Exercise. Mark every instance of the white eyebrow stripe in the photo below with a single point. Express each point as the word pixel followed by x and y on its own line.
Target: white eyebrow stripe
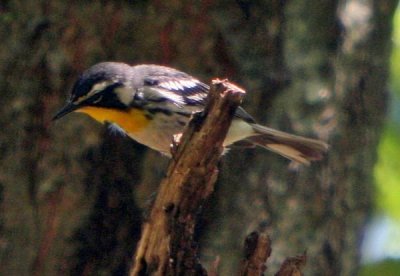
pixel 98 87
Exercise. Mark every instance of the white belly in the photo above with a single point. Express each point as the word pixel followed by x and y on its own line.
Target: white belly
pixel 159 137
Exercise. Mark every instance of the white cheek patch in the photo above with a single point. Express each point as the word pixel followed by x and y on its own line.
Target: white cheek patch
pixel 124 94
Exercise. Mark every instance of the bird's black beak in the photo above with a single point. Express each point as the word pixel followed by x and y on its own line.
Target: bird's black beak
pixel 68 108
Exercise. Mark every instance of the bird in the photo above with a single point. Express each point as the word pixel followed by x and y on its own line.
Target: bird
pixel 151 103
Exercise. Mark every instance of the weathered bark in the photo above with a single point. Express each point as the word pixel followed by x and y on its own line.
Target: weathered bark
pixel 313 67
pixel 257 249
pixel 292 266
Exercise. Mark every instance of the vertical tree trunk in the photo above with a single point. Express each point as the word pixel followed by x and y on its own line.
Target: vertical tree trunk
pixel 336 56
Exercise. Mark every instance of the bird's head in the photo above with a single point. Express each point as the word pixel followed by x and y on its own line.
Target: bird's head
pixel 103 86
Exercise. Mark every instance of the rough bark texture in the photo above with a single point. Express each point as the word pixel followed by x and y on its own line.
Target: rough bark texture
pixel 167 245
pixel 69 192
pixel 257 249
pixel 292 266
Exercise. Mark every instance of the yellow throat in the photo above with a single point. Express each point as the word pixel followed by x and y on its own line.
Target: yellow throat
pixel 132 120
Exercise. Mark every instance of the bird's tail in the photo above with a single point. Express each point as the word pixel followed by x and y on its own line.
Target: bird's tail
pixel 296 148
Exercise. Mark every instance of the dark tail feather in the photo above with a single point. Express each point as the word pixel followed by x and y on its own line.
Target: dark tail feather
pixel 296 148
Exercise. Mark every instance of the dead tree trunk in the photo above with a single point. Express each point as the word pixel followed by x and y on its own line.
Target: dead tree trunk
pixel 167 246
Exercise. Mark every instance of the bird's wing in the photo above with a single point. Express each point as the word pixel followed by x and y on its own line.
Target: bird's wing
pixel 182 89
pixel 177 90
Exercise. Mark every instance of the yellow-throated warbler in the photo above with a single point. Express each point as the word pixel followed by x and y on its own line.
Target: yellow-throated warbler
pixel 151 103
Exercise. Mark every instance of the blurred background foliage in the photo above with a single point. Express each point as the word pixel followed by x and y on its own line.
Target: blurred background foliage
pixel 387 170
pixel 382 243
